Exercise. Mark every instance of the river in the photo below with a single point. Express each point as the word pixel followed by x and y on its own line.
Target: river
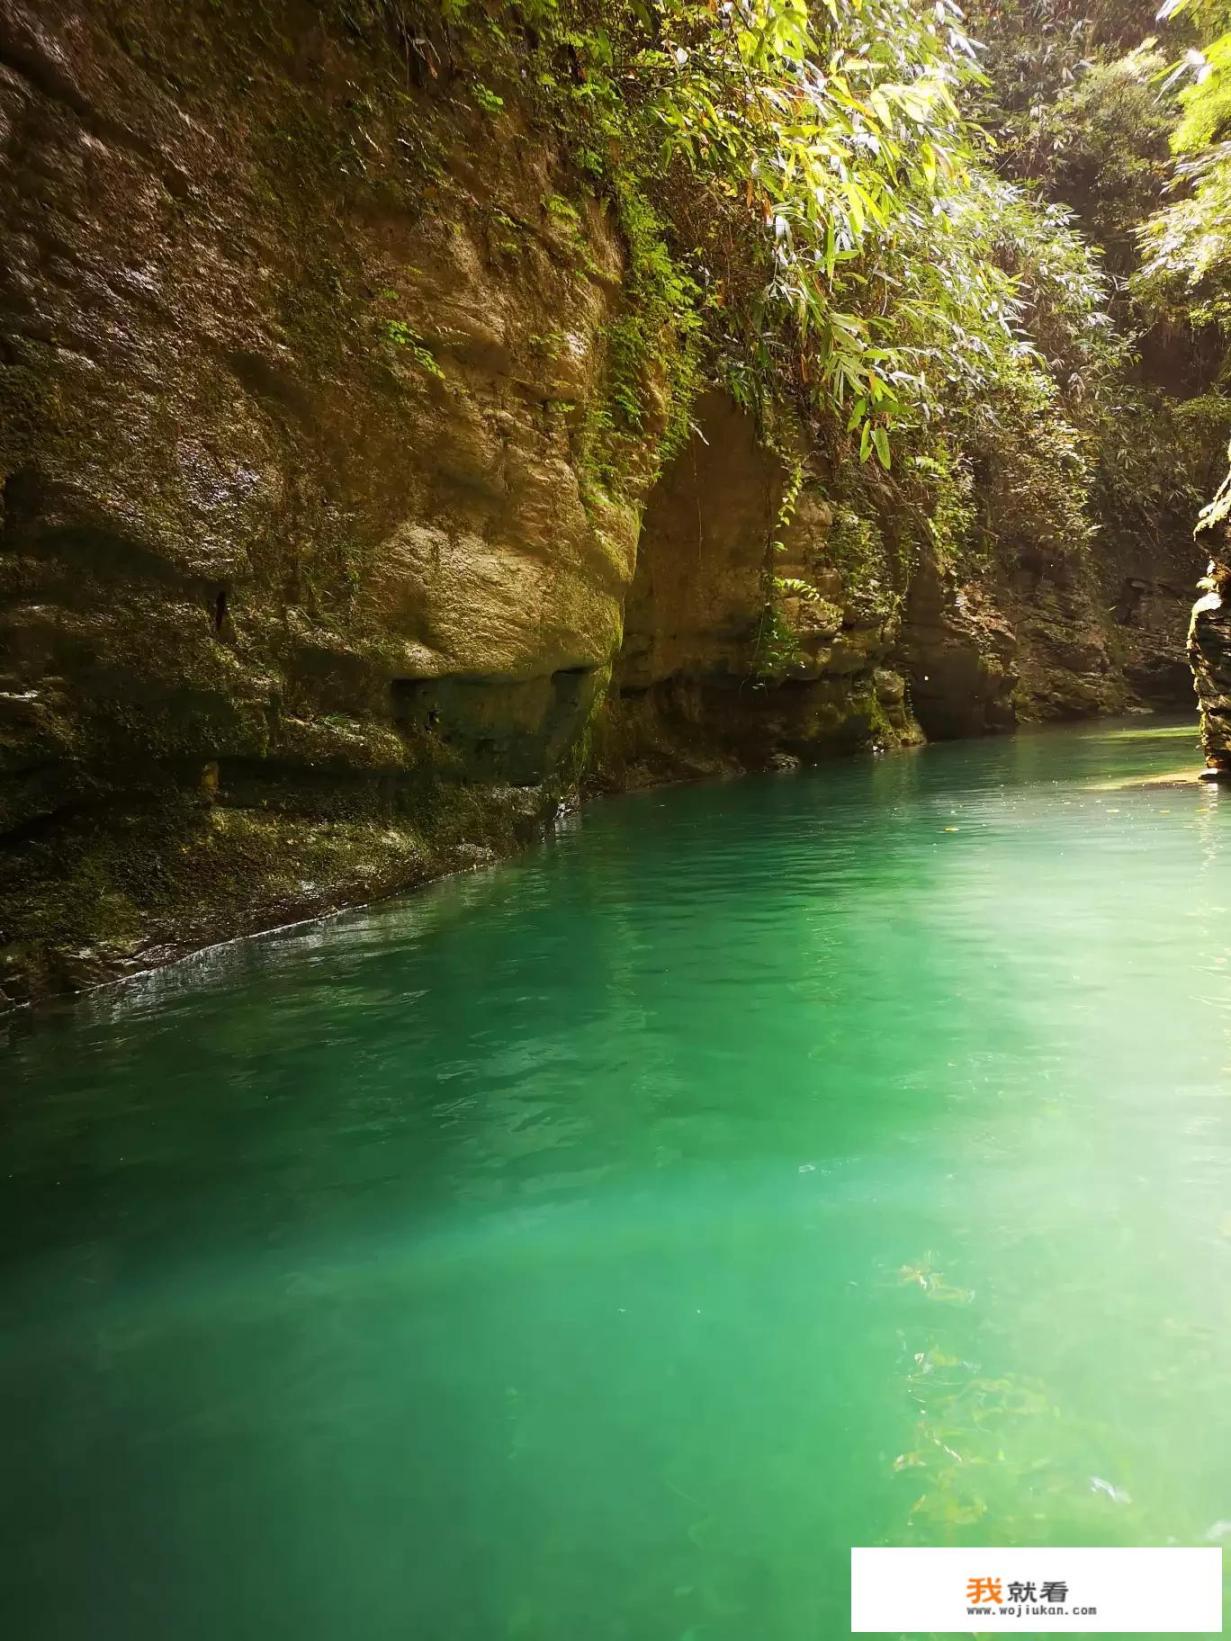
pixel 599 1246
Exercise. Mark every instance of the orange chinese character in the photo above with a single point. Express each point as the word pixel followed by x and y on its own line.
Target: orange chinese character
pixel 981 1590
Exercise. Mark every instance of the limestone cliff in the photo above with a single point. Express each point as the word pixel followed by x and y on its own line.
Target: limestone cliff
pixel 301 597
pixel 734 654
pixel 313 578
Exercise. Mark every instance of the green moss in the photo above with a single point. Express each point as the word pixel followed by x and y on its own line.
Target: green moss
pixel 82 903
pixel 856 546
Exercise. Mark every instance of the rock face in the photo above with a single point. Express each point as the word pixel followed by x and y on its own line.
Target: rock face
pixel 737 655
pixel 961 655
pixel 1209 654
pixel 299 593
pixel 311 585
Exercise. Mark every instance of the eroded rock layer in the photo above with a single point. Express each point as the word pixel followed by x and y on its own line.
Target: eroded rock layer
pixel 310 584
pixel 300 596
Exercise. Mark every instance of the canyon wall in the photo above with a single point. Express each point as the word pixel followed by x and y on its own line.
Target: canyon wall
pixel 1209 654
pixel 314 579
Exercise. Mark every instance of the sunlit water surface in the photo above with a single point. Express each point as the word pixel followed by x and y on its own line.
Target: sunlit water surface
pixel 599 1246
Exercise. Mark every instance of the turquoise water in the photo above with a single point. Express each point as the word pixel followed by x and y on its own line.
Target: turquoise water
pixel 598 1247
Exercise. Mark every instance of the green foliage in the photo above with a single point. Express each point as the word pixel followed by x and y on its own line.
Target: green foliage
pixel 856 546
pixel 790 500
pixel 1025 295
pixel 488 100
pixel 812 215
pixel 789 586
pixel 1016 383
pixel 652 351
pixel 1086 109
pixel 1159 460
pixel 774 149
pixel 1205 103
pixel 776 648
pixel 1187 244
pixel 563 212
pixel 401 335
pixel 1034 476
pixel 817 137
pixel 1076 114
pixel 950 517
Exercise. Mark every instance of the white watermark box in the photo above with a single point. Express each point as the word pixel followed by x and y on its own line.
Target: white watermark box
pixel 953 1591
